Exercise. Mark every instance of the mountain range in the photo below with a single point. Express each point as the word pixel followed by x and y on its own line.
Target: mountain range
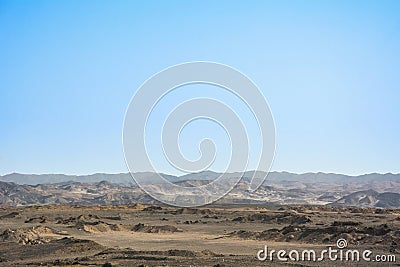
pixel 126 178
pixel 280 188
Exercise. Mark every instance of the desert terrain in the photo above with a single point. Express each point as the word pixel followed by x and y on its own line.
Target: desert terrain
pixel 216 235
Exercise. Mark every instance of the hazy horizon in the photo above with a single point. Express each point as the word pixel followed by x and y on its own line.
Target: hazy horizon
pixel 127 172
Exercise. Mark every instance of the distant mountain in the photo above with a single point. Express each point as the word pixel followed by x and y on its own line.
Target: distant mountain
pixel 73 193
pixel 32 179
pixel 125 178
pixel 370 198
pixel 119 178
pixel 332 177
pixel 280 188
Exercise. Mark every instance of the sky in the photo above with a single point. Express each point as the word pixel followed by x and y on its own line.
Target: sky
pixel 328 69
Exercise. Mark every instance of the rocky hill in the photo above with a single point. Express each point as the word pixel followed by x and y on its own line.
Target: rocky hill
pixel 370 198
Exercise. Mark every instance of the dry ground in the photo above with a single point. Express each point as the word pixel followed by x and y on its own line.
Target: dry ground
pixel 141 235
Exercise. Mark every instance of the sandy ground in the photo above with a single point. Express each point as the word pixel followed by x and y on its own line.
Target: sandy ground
pixel 140 235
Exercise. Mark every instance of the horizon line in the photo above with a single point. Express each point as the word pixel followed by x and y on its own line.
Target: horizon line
pixel 268 172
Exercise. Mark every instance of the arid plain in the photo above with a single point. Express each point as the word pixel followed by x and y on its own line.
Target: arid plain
pixel 219 235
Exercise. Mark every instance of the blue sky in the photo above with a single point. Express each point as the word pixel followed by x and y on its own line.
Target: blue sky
pixel 329 70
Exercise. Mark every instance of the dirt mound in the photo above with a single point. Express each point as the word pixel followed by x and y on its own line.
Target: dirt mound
pixel 279 218
pixel 192 211
pixel 92 224
pixel 114 218
pixel 9 215
pixel 345 223
pixel 180 253
pixel 136 206
pixel 28 236
pixel 57 252
pixel 89 218
pixel 77 245
pixel 152 208
pixel 99 227
pixel 143 228
pixel 41 219
pixel 353 234
pixel 58 248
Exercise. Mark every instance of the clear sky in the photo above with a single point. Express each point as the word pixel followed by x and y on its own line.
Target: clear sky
pixel 330 71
